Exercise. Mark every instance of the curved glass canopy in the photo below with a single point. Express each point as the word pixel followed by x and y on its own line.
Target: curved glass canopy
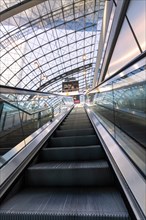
pixel 48 42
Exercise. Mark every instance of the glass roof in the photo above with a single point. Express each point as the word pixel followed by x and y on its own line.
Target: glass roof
pixel 48 42
pixel 5 4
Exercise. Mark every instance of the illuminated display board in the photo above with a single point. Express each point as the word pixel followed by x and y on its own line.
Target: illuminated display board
pixel 70 86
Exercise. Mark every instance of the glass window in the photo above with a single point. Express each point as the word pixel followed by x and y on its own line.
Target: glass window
pixel 137 16
pixel 125 50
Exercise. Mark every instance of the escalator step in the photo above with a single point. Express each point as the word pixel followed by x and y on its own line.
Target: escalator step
pixel 61 133
pixel 76 123
pixel 72 153
pixel 72 173
pixel 78 113
pixel 78 119
pixel 79 126
pixel 73 141
pixel 65 204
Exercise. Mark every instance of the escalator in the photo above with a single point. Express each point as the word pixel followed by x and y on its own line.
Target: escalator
pixel 70 179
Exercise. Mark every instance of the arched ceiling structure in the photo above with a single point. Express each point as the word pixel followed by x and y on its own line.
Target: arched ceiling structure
pixel 44 43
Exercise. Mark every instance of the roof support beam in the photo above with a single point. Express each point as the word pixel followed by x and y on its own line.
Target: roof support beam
pixel 20 91
pixel 114 33
pixel 62 76
pixel 16 9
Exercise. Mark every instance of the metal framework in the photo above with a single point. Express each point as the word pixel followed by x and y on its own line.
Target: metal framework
pixel 56 34
pixel 16 7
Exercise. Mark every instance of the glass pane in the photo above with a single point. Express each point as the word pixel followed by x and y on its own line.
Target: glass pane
pixel 22 115
pixel 125 50
pixel 4 4
pixel 121 106
pixel 138 22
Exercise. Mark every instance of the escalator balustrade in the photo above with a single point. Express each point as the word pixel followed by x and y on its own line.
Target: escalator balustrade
pixel 18 134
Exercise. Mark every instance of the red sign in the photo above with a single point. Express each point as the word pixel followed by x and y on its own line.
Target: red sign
pixel 76 99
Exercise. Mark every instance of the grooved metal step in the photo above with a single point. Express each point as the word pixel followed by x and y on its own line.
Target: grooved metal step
pixel 68 203
pixel 73 141
pixel 75 113
pixel 76 123
pixel 79 126
pixel 69 180
pixel 72 153
pixel 61 133
pixel 81 115
pixel 79 119
pixel 82 173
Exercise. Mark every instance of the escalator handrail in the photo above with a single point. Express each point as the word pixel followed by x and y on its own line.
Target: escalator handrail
pixel 21 109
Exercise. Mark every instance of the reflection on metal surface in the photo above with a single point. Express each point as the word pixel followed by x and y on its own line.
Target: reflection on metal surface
pixel 121 101
pixel 133 150
pixel 125 107
pixel 134 180
pixel 126 110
